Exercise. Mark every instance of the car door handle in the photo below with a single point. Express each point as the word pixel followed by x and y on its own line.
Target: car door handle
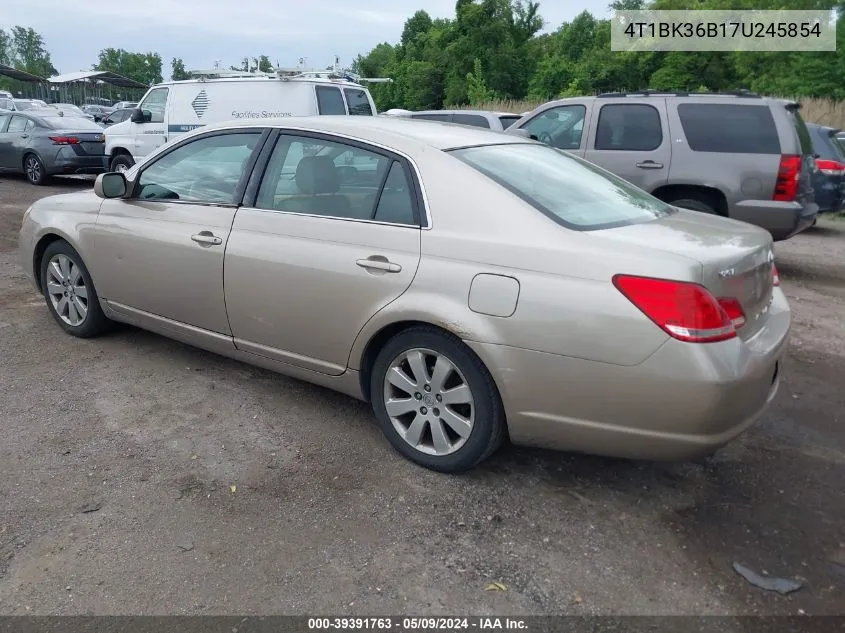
pixel 376 262
pixel 650 164
pixel 207 237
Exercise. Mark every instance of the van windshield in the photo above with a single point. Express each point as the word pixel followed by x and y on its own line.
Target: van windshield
pixel 571 191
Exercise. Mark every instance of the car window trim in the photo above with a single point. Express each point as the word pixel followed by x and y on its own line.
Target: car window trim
pixel 647 105
pixel 242 183
pixel 381 184
pixel 419 199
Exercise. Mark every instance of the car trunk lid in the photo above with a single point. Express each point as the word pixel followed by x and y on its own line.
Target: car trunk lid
pixel 736 259
pixel 82 143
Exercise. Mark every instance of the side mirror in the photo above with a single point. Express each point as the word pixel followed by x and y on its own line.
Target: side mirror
pixel 110 185
pixel 140 116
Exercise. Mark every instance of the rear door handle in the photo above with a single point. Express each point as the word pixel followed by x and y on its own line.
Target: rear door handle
pixel 207 237
pixel 650 164
pixel 377 262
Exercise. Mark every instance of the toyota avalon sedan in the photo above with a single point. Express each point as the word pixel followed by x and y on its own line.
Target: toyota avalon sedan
pixel 473 287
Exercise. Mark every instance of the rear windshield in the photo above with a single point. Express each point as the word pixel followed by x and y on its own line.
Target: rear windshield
pixel 509 120
pixel 571 191
pixel 74 123
pixel 825 144
pixel 729 128
pixel 800 129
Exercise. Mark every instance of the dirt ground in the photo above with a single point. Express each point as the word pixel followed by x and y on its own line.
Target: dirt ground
pixel 141 476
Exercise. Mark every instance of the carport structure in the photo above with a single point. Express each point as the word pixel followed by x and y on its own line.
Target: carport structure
pixel 26 84
pixel 94 86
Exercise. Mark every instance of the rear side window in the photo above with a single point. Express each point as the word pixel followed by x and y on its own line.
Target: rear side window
pixel 18 124
pixel 358 102
pixel 329 100
pixel 475 120
pixel 629 127
pixel 729 128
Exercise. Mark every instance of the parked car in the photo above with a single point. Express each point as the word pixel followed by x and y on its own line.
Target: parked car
pixel 97 111
pixel 544 300
pixel 70 110
pixel 117 116
pixel 736 155
pixel 497 121
pixel 28 104
pixel 120 105
pixel 829 178
pixel 39 143
pixel 5 94
pixel 7 104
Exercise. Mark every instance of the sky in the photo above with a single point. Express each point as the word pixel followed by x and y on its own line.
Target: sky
pixel 203 32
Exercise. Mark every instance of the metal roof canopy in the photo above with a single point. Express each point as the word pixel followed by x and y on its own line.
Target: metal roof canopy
pixel 97 75
pixel 20 75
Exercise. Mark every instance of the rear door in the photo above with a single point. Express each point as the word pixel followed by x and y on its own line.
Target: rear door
pixel 631 140
pixel 6 152
pixel 326 243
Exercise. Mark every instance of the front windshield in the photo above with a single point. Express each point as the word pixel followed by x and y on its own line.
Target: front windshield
pixel 573 192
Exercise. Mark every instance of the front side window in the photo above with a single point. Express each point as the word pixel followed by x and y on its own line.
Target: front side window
pixel 729 128
pixel 155 103
pixel 18 124
pixel 573 192
pixel 205 170
pixel 629 127
pixel 328 178
pixel 329 100
pixel 358 102
pixel 560 127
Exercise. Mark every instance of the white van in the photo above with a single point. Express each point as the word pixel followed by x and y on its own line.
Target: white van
pixel 173 108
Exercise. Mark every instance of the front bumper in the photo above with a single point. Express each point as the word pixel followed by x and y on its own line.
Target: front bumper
pixel 781 219
pixel 685 401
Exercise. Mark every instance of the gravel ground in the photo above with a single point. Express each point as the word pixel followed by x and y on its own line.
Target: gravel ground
pixel 141 476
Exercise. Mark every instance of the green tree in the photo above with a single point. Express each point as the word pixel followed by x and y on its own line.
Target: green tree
pixel 142 67
pixel 178 72
pixel 29 52
pixel 477 90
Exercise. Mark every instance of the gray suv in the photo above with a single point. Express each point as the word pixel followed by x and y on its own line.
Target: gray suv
pixel 734 154
pixel 498 121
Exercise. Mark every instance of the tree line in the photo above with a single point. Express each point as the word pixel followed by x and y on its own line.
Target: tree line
pixel 494 50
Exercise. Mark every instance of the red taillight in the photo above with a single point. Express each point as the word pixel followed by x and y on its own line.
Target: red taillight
pixel 830 167
pixel 734 311
pixel 775 275
pixel 64 140
pixel 684 310
pixel 786 186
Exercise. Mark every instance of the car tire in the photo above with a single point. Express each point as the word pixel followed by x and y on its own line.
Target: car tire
pixel 121 162
pixel 694 204
pixel 68 288
pixel 414 421
pixel 34 170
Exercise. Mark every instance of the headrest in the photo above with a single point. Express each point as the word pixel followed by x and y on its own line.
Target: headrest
pixel 317 174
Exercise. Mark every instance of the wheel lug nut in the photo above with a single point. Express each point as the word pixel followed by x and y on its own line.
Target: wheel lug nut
pixel 423 410
pixel 418 396
pixel 439 398
pixel 436 411
pixel 427 387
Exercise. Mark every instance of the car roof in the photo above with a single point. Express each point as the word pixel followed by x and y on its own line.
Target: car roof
pixel 492 113
pixel 391 131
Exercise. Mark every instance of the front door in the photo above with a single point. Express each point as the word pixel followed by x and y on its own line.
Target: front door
pixel 331 238
pixel 160 251
pixel 152 133
pixel 631 140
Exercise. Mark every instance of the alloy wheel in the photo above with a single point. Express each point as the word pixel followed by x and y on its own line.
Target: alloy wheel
pixel 67 290
pixel 429 401
pixel 33 169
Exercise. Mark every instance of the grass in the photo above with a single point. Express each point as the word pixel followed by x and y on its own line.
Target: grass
pixel 822 111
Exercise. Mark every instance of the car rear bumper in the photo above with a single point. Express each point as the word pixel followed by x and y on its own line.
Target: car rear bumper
pixel 781 219
pixel 70 163
pixel 685 401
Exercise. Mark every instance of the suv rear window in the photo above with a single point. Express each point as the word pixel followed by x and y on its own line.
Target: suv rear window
pixel 729 128
pixel 571 191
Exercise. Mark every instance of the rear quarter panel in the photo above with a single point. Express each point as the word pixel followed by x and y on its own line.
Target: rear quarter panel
pixel 567 304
